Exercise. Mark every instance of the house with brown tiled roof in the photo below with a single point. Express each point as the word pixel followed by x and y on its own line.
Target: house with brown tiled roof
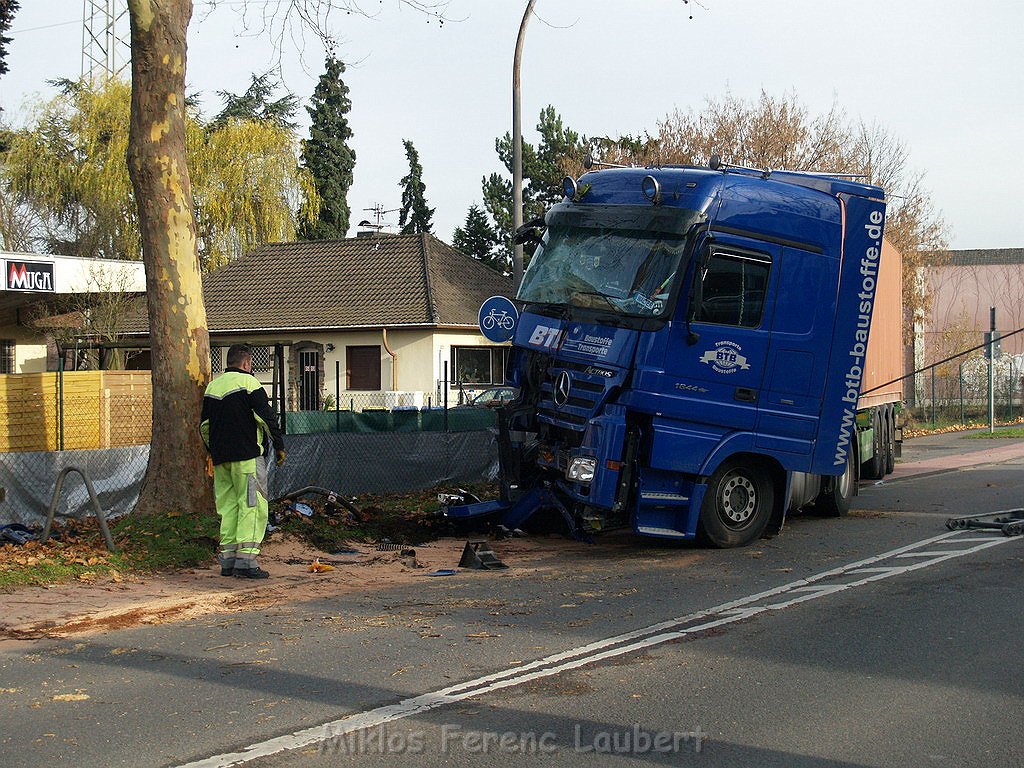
pixel 374 321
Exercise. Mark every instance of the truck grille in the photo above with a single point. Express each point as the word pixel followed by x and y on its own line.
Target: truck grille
pixel 587 392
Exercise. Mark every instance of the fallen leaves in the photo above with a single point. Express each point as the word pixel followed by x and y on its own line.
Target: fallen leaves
pixel 71 697
pixel 71 550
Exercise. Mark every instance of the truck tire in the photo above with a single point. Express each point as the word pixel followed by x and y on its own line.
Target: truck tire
pixel 737 505
pixel 874 467
pixel 890 440
pixel 835 500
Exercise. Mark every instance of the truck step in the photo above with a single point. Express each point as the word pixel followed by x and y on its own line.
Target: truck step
pixel 664 498
pixel 665 533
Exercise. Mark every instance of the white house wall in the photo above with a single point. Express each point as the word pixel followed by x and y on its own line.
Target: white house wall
pixel 29 350
pixel 420 355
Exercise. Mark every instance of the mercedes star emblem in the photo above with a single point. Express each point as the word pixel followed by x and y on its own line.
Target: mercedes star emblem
pixel 562 386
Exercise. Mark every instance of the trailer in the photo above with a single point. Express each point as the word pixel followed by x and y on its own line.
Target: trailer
pixel 697 351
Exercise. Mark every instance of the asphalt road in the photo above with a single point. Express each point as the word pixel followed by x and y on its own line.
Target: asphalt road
pixel 874 640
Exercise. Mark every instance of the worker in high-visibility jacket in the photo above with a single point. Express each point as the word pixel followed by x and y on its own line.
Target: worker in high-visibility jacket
pixel 237 418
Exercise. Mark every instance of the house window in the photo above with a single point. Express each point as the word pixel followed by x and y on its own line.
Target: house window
pixel 479 365
pixel 362 368
pixel 262 359
pixel 6 356
pixel 732 289
pixel 216 360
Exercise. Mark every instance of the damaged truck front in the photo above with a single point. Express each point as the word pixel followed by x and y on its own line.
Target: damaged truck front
pixel 690 353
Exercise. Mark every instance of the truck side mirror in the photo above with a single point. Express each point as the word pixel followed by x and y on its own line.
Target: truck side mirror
pixel 530 232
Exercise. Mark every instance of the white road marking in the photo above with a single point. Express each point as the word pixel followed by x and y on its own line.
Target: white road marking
pixel 976 538
pixel 801 591
pixel 932 554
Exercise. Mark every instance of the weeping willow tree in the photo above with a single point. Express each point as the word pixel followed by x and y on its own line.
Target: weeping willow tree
pixel 247 185
pixel 69 168
pixel 106 172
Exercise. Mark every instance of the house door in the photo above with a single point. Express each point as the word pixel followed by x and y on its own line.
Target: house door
pixel 309 380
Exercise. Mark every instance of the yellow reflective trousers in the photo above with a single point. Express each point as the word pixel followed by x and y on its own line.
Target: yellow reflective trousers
pixel 240 490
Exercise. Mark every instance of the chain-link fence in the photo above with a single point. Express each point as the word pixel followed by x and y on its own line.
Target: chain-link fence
pixel 957 392
pixel 968 388
pixel 77 410
pixel 100 422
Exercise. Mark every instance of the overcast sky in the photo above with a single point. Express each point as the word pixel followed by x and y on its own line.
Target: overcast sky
pixel 947 78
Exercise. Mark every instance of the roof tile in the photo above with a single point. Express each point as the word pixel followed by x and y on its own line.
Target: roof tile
pixel 356 282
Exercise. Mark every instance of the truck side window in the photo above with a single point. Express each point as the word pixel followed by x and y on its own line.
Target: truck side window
pixel 732 289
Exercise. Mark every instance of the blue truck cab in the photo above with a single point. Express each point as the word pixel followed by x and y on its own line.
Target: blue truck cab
pixel 689 352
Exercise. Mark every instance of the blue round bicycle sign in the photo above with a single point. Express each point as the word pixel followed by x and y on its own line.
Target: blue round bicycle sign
pixel 497 319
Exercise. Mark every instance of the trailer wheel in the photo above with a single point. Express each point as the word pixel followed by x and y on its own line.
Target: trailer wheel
pixel 874 467
pixel 737 506
pixel 890 440
pixel 835 500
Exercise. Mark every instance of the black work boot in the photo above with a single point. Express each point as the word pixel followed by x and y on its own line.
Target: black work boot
pixel 250 573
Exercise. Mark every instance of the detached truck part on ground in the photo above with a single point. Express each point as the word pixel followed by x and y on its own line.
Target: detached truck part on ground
pixel 692 350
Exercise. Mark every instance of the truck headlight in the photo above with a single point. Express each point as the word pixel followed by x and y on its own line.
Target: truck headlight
pixel 581 469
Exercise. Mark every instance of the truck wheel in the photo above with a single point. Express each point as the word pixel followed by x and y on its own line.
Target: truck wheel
pixel 873 468
pixel 737 505
pixel 890 440
pixel 835 500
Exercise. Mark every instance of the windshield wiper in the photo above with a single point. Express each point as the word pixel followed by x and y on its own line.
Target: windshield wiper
pixel 559 310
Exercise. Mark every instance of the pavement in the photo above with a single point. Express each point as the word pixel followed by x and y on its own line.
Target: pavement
pixel 71 609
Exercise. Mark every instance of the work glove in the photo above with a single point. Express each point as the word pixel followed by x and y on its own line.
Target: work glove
pixel 280 456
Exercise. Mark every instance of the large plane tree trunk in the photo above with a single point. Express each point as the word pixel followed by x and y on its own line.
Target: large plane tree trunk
pixel 180 343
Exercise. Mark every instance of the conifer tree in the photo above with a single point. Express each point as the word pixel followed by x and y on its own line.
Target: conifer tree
pixel 7 9
pixel 256 104
pixel 478 239
pixel 327 155
pixel 542 177
pixel 415 216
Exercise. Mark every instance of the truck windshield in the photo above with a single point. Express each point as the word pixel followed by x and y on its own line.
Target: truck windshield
pixel 599 262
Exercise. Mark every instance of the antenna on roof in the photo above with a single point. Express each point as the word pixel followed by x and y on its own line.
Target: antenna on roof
pixel 379 212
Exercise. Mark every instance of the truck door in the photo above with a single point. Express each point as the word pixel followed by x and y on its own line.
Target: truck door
pixel 790 402
pixel 730 312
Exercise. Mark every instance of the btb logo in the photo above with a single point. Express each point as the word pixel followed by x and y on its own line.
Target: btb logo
pixel 726 358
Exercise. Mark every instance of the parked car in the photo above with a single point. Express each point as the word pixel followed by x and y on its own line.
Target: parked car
pixel 495 397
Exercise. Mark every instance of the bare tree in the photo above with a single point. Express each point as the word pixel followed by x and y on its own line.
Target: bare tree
pixel 780 133
pixel 94 314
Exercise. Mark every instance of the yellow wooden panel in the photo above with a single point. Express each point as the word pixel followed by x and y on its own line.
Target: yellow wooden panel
pixel 101 409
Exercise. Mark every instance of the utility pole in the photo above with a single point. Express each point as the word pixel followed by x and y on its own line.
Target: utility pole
pixel 992 371
pixel 106 44
pixel 517 150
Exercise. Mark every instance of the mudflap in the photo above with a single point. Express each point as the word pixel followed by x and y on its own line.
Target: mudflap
pixel 778 518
